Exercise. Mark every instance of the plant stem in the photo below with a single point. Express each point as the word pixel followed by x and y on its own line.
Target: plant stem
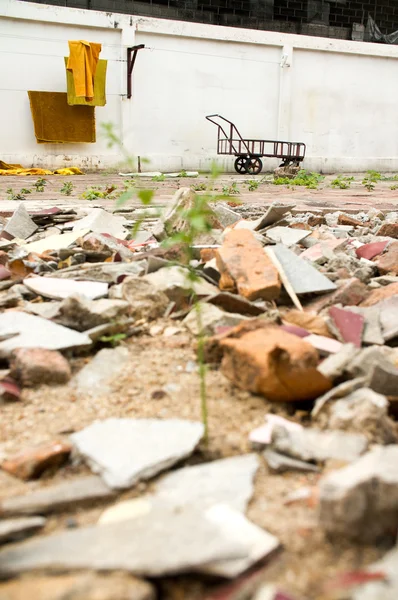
pixel 202 372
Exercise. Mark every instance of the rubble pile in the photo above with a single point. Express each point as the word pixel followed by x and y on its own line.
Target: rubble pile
pixel 299 309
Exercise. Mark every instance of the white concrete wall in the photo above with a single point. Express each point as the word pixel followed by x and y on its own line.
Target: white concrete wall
pixel 338 97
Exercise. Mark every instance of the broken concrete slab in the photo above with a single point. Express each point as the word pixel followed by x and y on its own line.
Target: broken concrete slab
pixel 304 278
pixel 339 391
pixel 124 451
pixel 364 411
pixel 55 242
pixel 58 497
pixel 273 363
pixel 273 214
pixel 287 235
pixel 143 298
pixel 176 283
pixel 21 330
pixel 140 546
pixel 245 267
pixel 280 463
pixel 58 288
pixel 95 379
pixel 225 215
pixel 236 304
pixel 79 586
pixel 99 220
pixel 322 251
pixel 227 481
pixel 32 367
pixel 211 318
pixel 17 529
pixel 348 325
pixel 20 225
pixel 317 445
pixel 80 313
pixel 384 379
pixel 360 501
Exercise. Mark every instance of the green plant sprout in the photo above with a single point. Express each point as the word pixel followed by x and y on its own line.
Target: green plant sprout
pixel 303 178
pixel 342 182
pixel 67 188
pixel 40 184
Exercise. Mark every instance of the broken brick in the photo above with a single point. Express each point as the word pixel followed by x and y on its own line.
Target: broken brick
pixel 350 325
pixel 389 230
pixel 4 273
pixel 381 294
pixel 388 262
pixel 315 220
pixel 31 463
pixel 351 293
pixel 37 366
pixel 273 363
pixel 369 251
pixel 207 254
pixel 307 320
pixel 245 267
pixel 348 220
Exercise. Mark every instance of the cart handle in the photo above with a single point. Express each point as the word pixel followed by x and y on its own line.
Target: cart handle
pixel 232 128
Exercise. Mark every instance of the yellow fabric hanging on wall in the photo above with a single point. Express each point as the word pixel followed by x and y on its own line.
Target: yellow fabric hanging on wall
pixel 99 87
pixel 82 62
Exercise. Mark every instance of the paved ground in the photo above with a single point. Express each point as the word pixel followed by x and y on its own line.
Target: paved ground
pixel 323 199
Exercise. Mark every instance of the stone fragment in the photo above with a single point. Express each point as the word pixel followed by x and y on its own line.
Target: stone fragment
pixel 38 366
pixel 31 463
pixel 335 365
pixel 303 277
pixel 364 411
pixel 103 272
pixel 124 451
pixel 139 546
pixel 308 320
pixel 178 286
pixel 227 481
pixel 360 501
pixel 388 262
pixel 20 225
pixel 17 529
pixel 315 220
pixel 344 219
pixel 236 304
pixel 99 220
pixel 274 214
pixel 381 294
pixel 46 310
pixel 317 445
pixel 96 377
pixel 98 244
pixel 263 435
pixel 363 363
pixel 319 253
pixel 225 215
pixel 211 318
pixel 339 391
pixel 80 313
pixel 372 332
pixel 287 235
pixel 57 289
pixel 384 379
pixel 245 267
pixel 280 463
pixel 348 324
pixel 145 300
pixel 21 330
pixel 389 230
pixel 371 250
pixel 55 242
pixel 350 292
pixel 9 390
pixel 80 586
pixel 59 497
pixel 389 318
pixel 273 363
pixel 4 273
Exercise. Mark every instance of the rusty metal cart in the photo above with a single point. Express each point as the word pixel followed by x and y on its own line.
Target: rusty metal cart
pixel 250 152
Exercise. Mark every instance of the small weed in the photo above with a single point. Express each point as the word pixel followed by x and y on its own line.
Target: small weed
pixel 394 187
pixel 303 178
pixel 198 187
pixel 113 340
pixel 183 174
pixel 12 196
pixel 389 178
pixel 159 177
pixel 25 191
pixel 342 182
pixel 229 190
pixel 40 184
pixel 370 179
pixel 95 192
pixel 129 184
pixel 253 185
pixel 67 188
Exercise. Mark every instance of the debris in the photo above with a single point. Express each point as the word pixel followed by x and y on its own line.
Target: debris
pixel 274 214
pixel 81 314
pixel 57 289
pixel 314 444
pixel 31 463
pixel 59 497
pixel 371 250
pixel 38 366
pixel 321 252
pixel 211 318
pixel 245 267
pixel 389 318
pixel 139 546
pixel 360 500
pixel 95 379
pixel 348 324
pixel 236 304
pixel 372 332
pixel 348 220
pixel 17 529
pixel 389 230
pixel 225 215
pixel 19 226
pixel 381 582
pixel 280 463
pixel 303 277
pixel 307 320
pixel 145 300
pixel 324 345
pixel 287 285
pixel 287 235
pixel 388 262
pixel 176 283
pixel 339 391
pixel 55 242
pixel 273 363
pixel 21 330
pixel 9 390
pixel 100 221
pixel 263 435
pixel 381 294
pixel 108 446
pixel 384 379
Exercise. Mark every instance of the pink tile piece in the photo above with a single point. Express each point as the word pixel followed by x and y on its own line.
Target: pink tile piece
pixel 4 273
pixel 369 251
pixel 317 251
pixel 349 324
pixel 295 330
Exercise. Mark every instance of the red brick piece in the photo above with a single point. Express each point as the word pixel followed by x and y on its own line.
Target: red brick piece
pixel 388 262
pixel 389 230
pixel 36 366
pixel 31 463
pixel 381 294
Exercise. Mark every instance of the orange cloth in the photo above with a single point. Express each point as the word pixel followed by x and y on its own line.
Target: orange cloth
pixel 82 61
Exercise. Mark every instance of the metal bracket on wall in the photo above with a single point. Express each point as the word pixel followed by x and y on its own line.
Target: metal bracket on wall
pixel 131 56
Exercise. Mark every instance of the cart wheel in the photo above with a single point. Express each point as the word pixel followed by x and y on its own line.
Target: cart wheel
pixel 254 166
pixel 240 165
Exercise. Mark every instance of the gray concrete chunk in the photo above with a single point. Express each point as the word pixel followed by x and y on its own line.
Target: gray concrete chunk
pixel 96 377
pixel 304 278
pixel 124 451
pixel 20 225
pixel 16 529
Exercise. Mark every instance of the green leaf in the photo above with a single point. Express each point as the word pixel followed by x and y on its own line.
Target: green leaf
pixel 145 196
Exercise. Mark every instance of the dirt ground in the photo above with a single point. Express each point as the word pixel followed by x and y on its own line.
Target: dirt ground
pixel 309 559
